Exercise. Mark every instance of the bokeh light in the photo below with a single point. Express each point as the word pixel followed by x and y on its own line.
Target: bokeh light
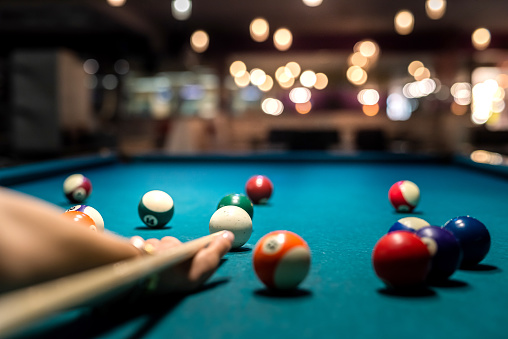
pixel 312 3
pixel 116 3
pixel 481 38
pixel 293 68
pixel 110 81
pixel 422 73
pixel 237 68
pixel 257 76
pixel 367 48
pixel 413 66
pixel 259 29
pixel 356 75
pixel 181 9
pixel 370 110
pixel 357 59
pixel 199 41
pixel 272 106
pixel 267 85
pixel 398 108
pixel 91 66
pixel 122 67
pixel 435 9
pixel 303 108
pixel 308 78
pixel 368 96
pixel 321 81
pixel 282 39
pixel 404 22
pixel 243 80
pixel 461 92
pixel 299 95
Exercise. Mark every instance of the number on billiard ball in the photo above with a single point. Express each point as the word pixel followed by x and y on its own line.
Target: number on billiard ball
pixel 281 260
pixel 259 189
pixel 77 188
pixel 156 208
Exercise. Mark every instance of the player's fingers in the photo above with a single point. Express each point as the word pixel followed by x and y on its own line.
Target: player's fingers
pixel 152 244
pixel 169 242
pixel 207 260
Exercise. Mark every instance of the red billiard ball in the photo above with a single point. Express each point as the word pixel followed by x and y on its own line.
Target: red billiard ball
pixel 401 259
pixel 80 219
pixel 404 195
pixel 259 189
pixel 281 260
pixel 77 188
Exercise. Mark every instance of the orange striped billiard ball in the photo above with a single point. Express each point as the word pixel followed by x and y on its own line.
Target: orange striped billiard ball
pixel 281 260
pixel 80 219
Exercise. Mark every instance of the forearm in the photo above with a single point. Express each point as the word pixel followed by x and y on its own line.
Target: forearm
pixel 36 244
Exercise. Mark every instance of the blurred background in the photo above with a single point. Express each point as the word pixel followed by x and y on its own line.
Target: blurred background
pixel 230 76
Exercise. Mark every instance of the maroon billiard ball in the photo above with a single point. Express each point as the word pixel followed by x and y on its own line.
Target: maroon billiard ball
pixel 401 260
pixel 259 189
pixel 77 188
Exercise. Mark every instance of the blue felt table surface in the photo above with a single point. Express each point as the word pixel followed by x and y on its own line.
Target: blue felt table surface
pixel 341 209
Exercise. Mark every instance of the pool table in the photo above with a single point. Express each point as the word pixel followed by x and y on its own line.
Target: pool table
pixel 337 203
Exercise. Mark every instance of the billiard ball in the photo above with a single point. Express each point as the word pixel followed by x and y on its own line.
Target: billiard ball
pixel 240 200
pixel 411 224
pixel 401 260
pixel 156 208
pixel 234 219
pixel 404 195
pixel 77 188
pixel 80 219
pixel 445 250
pixel 259 189
pixel 92 213
pixel 281 260
pixel 473 236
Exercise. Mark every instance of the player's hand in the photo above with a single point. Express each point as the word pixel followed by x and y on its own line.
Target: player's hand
pixel 190 274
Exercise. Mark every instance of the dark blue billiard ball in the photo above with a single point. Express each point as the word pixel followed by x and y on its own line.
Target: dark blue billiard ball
pixel 445 249
pixel 473 236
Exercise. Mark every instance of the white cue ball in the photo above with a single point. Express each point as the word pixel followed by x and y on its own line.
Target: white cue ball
pixel 234 219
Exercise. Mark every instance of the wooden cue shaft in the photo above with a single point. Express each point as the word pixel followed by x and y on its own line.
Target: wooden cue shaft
pixel 24 306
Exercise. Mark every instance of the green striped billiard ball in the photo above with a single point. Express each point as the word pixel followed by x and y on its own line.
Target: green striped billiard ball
pixel 156 208
pixel 240 200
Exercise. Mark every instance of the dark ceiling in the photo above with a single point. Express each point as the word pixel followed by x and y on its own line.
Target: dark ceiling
pixel 147 28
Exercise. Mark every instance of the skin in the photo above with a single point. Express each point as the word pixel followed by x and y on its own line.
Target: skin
pixel 37 244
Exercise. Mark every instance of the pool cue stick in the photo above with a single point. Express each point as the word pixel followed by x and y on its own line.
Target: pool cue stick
pixel 22 307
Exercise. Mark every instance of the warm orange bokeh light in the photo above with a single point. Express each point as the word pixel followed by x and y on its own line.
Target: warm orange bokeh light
pixel 303 108
pixel 370 110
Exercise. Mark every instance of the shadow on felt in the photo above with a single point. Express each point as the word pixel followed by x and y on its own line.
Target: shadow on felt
pixel 101 319
pixel 278 294
pixel 153 229
pixel 418 292
pixel 482 268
